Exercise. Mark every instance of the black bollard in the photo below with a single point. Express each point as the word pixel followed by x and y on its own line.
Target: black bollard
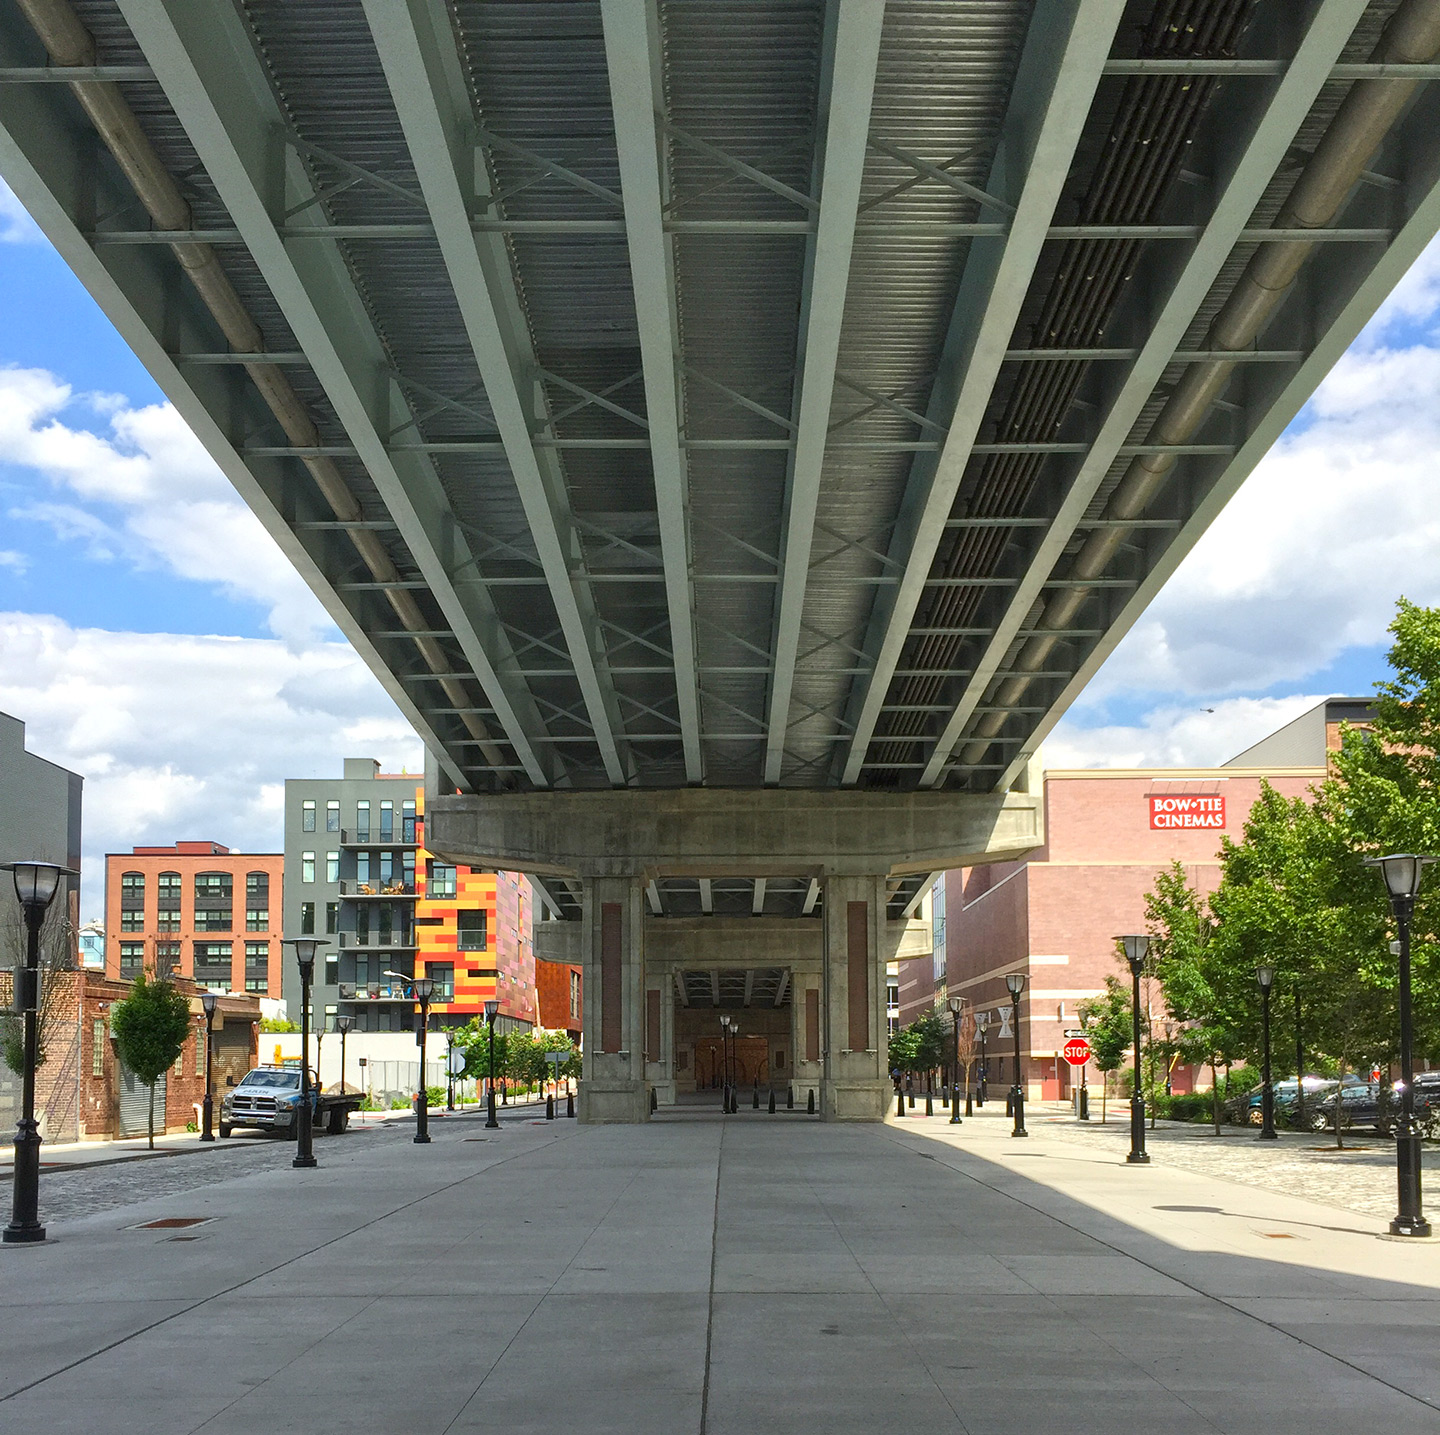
pixel 755 1099
pixel 772 1100
pixel 569 1103
pixel 1010 1102
pixel 654 1101
pixel 912 1098
pixel 549 1108
pixel 969 1103
pixel 899 1102
pixel 789 1098
pixel 1084 1103
pixel 945 1098
pixel 929 1103
pixel 810 1105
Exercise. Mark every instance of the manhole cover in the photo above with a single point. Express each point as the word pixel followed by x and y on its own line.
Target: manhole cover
pixel 185 1238
pixel 171 1223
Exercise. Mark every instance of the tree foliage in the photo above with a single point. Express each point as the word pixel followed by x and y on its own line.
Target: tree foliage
pixel 150 1028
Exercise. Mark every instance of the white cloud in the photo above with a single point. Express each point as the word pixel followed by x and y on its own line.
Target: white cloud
pixel 16 226
pixel 182 737
pixel 147 494
pixel 1174 735
pixel 1341 518
pixel 9 558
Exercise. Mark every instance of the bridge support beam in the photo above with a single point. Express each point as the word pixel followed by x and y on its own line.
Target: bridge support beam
pixel 612 1081
pixel 853 1083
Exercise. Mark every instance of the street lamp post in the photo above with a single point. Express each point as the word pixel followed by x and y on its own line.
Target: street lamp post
pixel 35 885
pixel 492 1122
pixel 734 1066
pixel 982 1025
pixel 422 989
pixel 1402 872
pixel 1137 948
pixel 344 1025
pixel 1015 984
pixel 956 1005
pixel 207 1107
pixel 1265 977
pixel 305 948
pixel 725 1062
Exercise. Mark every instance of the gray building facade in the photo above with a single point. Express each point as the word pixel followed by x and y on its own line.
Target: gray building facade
pixel 351 844
pixel 39 817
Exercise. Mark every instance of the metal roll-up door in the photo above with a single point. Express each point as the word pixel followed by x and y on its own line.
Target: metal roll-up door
pixel 135 1104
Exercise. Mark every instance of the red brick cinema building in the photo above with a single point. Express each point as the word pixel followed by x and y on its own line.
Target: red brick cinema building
pixel 1055 915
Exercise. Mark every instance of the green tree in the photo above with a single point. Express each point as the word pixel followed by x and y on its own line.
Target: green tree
pixel 1106 1022
pixel 905 1049
pixel 150 1028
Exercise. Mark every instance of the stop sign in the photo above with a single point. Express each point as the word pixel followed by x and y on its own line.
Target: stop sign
pixel 1077 1051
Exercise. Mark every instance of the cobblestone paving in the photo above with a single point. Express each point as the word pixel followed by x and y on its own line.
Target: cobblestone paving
pixel 1361 1178
pixel 66 1195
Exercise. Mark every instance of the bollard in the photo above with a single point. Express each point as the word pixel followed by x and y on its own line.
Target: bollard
pixel 654 1101
pixel 772 1100
pixel 929 1104
pixel 969 1103
pixel 1084 1103
pixel 789 1098
pixel 899 1102
pixel 810 1105
pixel 569 1103
pixel 912 1098
pixel 549 1108
pixel 1010 1102
pixel 945 1098
pixel 755 1099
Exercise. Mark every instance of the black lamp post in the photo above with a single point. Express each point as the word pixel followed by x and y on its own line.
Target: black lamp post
pixel 422 989
pixel 956 1005
pixel 1265 976
pixel 207 1107
pixel 35 886
pixel 725 1062
pixel 982 1025
pixel 1136 950
pixel 305 948
pixel 1402 872
pixel 492 1122
pixel 1015 984
pixel 344 1025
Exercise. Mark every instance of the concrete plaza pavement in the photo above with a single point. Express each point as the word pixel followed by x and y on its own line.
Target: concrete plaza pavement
pixel 751 1273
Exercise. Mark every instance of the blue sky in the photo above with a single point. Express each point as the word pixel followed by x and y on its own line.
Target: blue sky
pixel 153 639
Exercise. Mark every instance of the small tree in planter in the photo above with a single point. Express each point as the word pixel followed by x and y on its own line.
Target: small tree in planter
pixel 150 1027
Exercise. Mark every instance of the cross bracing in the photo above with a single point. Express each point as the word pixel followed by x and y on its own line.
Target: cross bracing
pixel 665 393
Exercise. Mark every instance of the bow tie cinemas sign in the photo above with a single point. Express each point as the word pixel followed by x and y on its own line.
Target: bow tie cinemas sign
pixel 1187 810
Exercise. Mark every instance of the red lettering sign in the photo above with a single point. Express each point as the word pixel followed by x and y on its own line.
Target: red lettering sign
pixel 1187 810
pixel 1077 1051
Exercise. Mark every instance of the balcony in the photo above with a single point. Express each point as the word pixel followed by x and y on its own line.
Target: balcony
pixel 348 941
pixel 375 992
pixel 404 834
pixel 376 891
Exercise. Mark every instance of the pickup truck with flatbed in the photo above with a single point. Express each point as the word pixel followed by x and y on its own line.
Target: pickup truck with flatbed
pixel 268 1099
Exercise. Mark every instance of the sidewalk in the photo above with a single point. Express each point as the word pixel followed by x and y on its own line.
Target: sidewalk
pixel 725 1277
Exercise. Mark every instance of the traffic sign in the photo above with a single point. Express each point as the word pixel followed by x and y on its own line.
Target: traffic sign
pixel 456 1061
pixel 1077 1051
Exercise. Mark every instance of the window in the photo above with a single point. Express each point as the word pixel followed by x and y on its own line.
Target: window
pixel 407 870
pixel 470 931
pixel 132 887
pixel 407 821
pixel 213 897
pixel 132 919
pixel 575 996
pixel 331 1012
pixel 132 960
pixel 362 867
pixel 332 866
pixel 212 965
pixel 132 902
pixel 387 869
pixel 167 890
pixel 443 975
pixel 332 816
pixel 332 971
pixel 362 924
pixel 307 866
pixel 332 918
pixel 362 821
pixel 362 972
pixel 441 883
pixel 257 919
pixel 387 821
pixel 307 816
pixel 97 1047
pixel 307 919
pixel 257 967
pixel 167 958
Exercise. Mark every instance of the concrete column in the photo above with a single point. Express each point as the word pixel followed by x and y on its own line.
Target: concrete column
pixel 660 1034
pixel 612 1086
pixel 807 1029
pixel 855 1085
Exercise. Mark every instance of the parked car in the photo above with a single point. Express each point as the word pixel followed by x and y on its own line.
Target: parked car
pixel 1316 1088
pixel 1367 1103
pixel 268 1099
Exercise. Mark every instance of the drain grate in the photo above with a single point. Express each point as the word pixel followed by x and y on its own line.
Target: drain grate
pixel 171 1223
pixel 184 1238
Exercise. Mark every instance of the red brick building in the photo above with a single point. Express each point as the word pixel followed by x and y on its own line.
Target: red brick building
pixel 1056 914
pixel 196 910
